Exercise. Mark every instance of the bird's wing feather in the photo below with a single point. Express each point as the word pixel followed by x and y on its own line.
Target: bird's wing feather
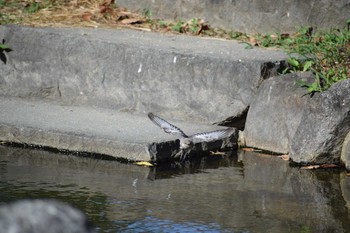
pixel 213 135
pixel 166 126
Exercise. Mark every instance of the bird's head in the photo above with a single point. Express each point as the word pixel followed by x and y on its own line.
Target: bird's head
pixel 186 144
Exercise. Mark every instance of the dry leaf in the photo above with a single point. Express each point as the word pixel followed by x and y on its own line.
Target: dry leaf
pixel 284 157
pixel 103 9
pixel 285 35
pixel 250 149
pixel 127 14
pixel 216 153
pixel 132 21
pixel 264 155
pixel 253 41
pixel 327 165
pixel 310 167
pixel 87 16
pixel 144 163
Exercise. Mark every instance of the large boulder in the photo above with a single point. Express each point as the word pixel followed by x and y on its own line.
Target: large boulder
pixel 323 126
pixel 276 112
pixel 312 129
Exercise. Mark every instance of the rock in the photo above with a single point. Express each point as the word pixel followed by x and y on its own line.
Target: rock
pixel 345 152
pixel 345 188
pixel 275 114
pixel 42 216
pixel 323 126
pixel 283 119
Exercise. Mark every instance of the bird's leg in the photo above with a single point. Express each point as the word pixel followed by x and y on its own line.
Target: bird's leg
pixel 184 155
pixel 177 155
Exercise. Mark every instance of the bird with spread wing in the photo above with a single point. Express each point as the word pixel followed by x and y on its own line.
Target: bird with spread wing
pixel 187 142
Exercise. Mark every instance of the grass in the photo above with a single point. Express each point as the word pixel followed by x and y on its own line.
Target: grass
pixel 325 53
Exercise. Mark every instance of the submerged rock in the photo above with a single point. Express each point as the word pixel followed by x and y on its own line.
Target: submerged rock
pixel 42 216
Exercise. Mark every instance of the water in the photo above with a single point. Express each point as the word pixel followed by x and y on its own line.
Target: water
pixel 247 192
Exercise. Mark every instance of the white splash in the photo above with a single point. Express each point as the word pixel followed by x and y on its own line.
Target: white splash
pixel 134 183
pixel 140 69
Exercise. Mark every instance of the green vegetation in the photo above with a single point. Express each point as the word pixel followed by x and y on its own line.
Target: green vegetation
pixel 324 53
pixel 305 229
pixel 194 26
pixel 147 13
pixel 178 26
pixel 13 11
pixel 4 49
pixel 33 7
pixel 5 18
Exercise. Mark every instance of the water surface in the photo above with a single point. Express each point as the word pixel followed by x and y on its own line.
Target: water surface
pixel 247 192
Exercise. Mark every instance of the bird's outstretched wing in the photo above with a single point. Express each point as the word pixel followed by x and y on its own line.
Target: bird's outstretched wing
pixel 213 135
pixel 166 126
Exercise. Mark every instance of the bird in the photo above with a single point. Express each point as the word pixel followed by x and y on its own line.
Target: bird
pixel 187 141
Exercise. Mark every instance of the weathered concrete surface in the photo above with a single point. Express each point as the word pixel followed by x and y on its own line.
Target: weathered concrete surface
pixel 264 16
pixel 43 216
pixel 188 78
pixel 275 114
pixel 93 130
pixel 323 126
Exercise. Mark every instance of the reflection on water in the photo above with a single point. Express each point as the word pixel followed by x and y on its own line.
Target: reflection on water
pixel 232 193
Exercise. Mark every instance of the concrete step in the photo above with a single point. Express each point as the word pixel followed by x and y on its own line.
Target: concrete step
pixel 86 129
pixel 261 16
pixel 189 78
pixel 89 90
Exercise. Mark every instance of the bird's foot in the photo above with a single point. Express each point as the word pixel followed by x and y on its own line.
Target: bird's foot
pixel 181 155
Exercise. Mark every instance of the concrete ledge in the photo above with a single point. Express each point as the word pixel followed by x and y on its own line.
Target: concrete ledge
pixel 93 130
pixel 189 78
pixel 264 16
pixel 164 151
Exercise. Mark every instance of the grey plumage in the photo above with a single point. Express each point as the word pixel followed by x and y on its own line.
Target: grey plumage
pixel 166 126
pixel 187 142
pixel 213 135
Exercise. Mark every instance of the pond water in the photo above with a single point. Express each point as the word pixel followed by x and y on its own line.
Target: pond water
pixel 241 192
